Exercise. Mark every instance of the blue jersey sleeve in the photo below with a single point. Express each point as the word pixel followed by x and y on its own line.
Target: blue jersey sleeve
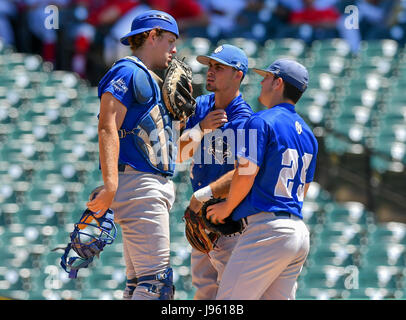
pixel 127 84
pixel 257 137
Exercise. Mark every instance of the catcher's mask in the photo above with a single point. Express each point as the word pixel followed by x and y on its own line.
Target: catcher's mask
pixel 89 237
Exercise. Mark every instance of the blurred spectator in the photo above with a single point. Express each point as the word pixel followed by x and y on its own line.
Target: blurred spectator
pixel 34 11
pixel 223 16
pixel 310 19
pixel 188 13
pixel 8 11
pixel 374 18
pixel 109 19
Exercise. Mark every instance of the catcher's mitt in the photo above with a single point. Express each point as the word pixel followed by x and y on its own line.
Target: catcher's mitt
pixel 225 229
pixel 198 237
pixel 177 91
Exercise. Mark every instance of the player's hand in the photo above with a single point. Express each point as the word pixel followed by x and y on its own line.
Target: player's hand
pixel 214 120
pixel 216 213
pixel 102 202
pixel 195 205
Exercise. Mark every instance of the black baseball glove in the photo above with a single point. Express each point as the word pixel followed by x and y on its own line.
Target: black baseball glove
pixel 177 90
pixel 226 229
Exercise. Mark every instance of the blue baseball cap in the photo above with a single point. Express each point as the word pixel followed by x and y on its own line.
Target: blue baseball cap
pixel 290 71
pixel 149 20
pixel 228 55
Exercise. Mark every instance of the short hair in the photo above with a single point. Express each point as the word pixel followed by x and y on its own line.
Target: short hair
pixel 291 92
pixel 136 41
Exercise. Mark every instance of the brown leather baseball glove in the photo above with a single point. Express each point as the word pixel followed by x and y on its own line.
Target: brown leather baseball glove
pixel 177 90
pixel 196 233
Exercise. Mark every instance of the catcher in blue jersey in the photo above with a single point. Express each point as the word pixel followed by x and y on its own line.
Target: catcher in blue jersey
pixel 211 138
pixel 275 168
pixel 137 145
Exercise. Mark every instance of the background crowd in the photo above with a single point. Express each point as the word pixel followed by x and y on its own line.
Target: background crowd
pixel 86 39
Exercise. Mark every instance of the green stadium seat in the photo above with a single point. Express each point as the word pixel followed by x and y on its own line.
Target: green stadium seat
pixel 379 277
pixel 331 253
pixel 342 233
pixel 250 46
pixel 283 48
pixel 330 47
pixel 324 277
pixel 383 254
pixel 382 165
pixel 317 294
pixel 390 232
pixel 367 294
pixel 349 212
pixel 387 48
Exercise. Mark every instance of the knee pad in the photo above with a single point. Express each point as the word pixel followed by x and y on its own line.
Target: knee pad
pixel 167 291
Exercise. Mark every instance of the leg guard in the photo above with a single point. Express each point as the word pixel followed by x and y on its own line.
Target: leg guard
pixel 129 288
pixel 166 292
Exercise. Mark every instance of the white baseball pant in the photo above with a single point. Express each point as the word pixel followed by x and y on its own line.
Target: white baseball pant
pixel 141 208
pixel 266 260
pixel 207 269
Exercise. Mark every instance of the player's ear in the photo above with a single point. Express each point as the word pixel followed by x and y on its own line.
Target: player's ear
pixel 239 75
pixel 279 83
pixel 152 35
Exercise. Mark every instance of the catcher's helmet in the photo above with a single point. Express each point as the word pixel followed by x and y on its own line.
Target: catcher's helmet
pixel 149 20
pixel 89 237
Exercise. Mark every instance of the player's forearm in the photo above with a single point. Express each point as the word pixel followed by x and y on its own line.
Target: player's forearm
pixel 221 186
pixel 188 143
pixel 109 146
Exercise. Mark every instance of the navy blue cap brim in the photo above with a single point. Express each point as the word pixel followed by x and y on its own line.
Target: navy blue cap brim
pixel 297 84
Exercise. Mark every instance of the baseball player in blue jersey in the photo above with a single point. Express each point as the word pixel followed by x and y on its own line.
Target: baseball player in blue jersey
pixel 135 163
pixel 218 114
pixel 274 171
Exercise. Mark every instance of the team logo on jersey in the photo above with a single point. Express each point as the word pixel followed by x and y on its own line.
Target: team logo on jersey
pixel 119 85
pixel 299 128
pixel 218 49
pixel 220 150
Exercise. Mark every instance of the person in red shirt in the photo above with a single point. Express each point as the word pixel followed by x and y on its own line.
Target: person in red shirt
pixel 101 13
pixel 188 13
pixel 318 18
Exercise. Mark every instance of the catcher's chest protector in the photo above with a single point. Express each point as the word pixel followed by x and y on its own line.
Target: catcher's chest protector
pixel 155 132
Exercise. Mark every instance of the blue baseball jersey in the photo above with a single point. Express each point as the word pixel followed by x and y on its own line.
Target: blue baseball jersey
pixel 134 87
pixel 217 151
pixel 285 149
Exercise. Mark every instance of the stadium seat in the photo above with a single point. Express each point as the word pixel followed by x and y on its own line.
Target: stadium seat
pixel 379 277
pixel 390 232
pixel 330 253
pixel 324 277
pixel 367 294
pixel 349 212
pixel 384 254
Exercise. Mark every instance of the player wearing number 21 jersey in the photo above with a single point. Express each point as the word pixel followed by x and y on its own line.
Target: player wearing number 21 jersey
pixel 275 168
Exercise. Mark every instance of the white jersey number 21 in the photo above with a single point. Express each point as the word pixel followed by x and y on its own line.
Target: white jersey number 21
pixel 284 186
